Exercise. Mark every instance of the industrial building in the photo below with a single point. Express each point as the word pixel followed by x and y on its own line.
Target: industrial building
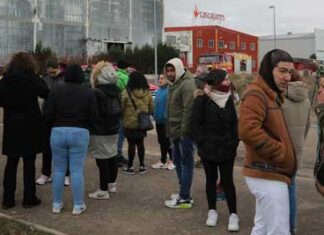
pixel 77 28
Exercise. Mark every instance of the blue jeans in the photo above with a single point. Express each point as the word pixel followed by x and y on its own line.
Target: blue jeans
pixel 121 138
pixel 292 203
pixel 69 145
pixel 183 157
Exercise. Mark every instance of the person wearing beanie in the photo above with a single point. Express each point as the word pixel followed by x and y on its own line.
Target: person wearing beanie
pixel 179 130
pixel 270 159
pixel 104 135
pixel 214 120
pixel 71 109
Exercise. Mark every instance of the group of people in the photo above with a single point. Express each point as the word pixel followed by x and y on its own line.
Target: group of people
pixel 76 121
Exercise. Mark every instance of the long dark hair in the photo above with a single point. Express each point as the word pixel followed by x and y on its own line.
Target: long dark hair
pixel 137 80
pixel 23 61
pixel 269 62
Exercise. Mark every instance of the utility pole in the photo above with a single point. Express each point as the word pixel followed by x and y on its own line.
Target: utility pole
pixel 155 42
pixel 87 29
pixel 35 21
pixel 274 25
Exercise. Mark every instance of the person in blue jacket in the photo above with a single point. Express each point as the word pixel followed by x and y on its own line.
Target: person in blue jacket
pixel 159 117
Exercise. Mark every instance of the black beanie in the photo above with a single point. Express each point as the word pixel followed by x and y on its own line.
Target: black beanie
pixel 74 74
pixel 215 77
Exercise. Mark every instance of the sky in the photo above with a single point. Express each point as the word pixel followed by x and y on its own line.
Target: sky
pixel 250 16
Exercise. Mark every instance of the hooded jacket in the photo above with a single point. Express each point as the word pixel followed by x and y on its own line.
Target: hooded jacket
pixel 263 129
pixel 71 104
pixel 144 103
pixel 180 102
pixel 296 109
pixel 160 104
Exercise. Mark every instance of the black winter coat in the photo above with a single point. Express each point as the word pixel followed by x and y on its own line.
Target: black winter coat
pixel 216 129
pixel 23 124
pixel 109 107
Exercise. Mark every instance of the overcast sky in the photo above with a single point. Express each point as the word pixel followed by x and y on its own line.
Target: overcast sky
pixel 250 16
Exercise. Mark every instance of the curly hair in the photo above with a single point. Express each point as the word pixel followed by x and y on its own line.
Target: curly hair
pixel 22 60
pixel 137 80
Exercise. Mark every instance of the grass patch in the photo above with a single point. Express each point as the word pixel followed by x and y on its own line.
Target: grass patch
pixel 9 227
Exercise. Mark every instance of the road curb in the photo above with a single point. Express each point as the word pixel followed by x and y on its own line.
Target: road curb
pixel 36 226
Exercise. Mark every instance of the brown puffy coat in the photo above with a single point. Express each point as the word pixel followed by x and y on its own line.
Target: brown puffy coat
pixel 262 128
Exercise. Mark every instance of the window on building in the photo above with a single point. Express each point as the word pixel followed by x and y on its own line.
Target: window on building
pixel 243 45
pixel 232 45
pixel 253 64
pixel 252 46
pixel 200 43
pixel 220 44
pixel 211 43
pixel 243 65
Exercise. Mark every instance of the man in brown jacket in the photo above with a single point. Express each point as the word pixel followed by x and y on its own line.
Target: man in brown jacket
pixel 270 160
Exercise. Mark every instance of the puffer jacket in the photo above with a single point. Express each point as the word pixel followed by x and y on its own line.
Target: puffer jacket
pixel 144 102
pixel 296 109
pixel 263 129
pixel 180 102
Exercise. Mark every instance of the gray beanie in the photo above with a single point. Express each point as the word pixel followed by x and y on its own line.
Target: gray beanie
pixel 107 75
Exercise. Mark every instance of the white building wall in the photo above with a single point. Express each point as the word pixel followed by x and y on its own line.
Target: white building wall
pixel 296 47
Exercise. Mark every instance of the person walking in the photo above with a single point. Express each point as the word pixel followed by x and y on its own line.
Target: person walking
pixel 72 110
pixel 23 126
pixel 159 117
pixel 270 160
pixel 137 93
pixel 179 108
pixel 54 77
pixel 296 109
pixel 104 135
pixel 214 120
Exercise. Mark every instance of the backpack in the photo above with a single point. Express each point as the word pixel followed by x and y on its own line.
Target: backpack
pixel 319 163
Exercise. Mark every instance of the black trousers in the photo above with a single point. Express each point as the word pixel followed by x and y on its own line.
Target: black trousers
pixel 47 157
pixel 226 174
pixel 164 142
pixel 134 143
pixel 108 171
pixel 10 180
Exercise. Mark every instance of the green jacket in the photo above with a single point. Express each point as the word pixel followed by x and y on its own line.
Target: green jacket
pixel 122 79
pixel 144 103
pixel 179 105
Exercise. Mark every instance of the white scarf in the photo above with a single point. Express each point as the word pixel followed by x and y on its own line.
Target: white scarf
pixel 218 97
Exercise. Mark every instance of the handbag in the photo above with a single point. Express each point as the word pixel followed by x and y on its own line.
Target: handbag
pixel 144 118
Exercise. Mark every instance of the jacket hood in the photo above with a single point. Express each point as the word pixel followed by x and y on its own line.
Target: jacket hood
pixel 178 66
pixel 74 74
pixel 139 93
pixel 110 90
pixel 297 91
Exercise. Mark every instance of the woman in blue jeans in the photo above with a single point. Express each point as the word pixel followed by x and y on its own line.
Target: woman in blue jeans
pixel 71 110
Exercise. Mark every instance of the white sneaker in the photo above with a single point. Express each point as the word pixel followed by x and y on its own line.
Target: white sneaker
pixel 176 196
pixel 79 211
pixel 57 209
pixel 159 165
pixel 99 195
pixel 66 181
pixel 112 187
pixel 171 166
pixel 233 223
pixel 212 218
pixel 43 179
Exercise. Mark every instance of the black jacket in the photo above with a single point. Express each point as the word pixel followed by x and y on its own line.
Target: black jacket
pixel 109 108
pixel 215 128
pixel 23 124
pixel 71 105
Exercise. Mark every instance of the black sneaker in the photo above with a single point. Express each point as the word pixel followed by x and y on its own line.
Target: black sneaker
pixel 129 170
pixel 33 203
pixel 142 170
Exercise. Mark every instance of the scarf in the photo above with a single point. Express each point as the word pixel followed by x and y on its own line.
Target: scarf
pixel 218 97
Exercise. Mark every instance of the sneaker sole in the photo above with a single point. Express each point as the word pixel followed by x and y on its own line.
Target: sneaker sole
pixel 129 173
pixel 181 206
pixel 142 173
pixel 99 198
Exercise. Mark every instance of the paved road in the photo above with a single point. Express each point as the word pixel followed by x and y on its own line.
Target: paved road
pixel 138 207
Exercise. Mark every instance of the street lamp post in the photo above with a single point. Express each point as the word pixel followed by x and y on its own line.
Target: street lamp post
pixel 274 25
pixel 155 41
